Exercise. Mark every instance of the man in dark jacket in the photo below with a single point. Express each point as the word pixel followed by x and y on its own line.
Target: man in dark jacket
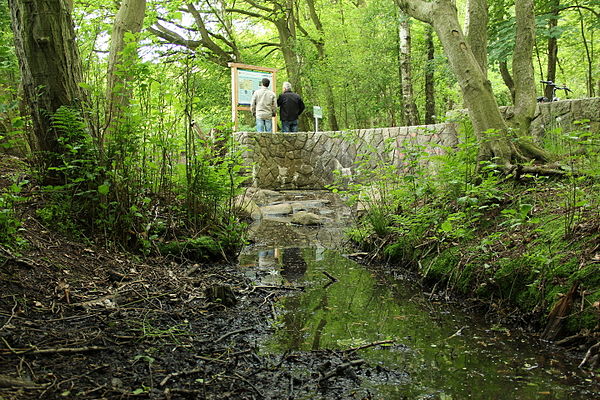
pixel 290 107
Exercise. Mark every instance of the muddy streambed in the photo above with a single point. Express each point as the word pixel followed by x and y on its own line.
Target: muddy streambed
pixel 425 349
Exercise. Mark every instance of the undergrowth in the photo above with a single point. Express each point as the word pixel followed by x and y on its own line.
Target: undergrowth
pixel 517 243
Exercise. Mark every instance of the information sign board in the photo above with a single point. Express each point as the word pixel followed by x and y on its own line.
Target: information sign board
pixel 317 112
pixel 249 82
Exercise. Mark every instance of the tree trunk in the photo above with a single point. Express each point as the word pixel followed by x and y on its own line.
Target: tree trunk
pixel 525 99
pixel 320 45
pixel 487 121
pixel 507 78
pixel 476 30
pixel 488 124
pixel 589 80
pixel 50 66
pixel 552 48
pixel 429 78
pixel 411 115
pixel 128 22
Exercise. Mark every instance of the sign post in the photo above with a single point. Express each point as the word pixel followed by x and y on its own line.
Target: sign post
pixel 318 114
pixel 245 79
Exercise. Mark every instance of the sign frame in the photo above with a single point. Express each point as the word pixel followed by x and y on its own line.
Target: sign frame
pixel 236 70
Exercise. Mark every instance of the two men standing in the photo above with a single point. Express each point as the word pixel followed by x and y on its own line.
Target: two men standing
pixel 264 108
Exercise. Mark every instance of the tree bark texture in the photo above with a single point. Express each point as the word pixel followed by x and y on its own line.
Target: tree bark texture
pixel 411 115
pixel 476 31
pixel 552 48
pixel 429 78
pixel 507 78
pixel 522 65
pixel 488 124
pixel 320 45
pixel 128 20
pixel 49 62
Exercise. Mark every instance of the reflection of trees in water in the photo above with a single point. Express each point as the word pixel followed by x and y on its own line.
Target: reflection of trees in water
pixel 277 234
pixel 293 266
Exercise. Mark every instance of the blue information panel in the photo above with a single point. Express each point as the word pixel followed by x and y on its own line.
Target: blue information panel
pixel 248 82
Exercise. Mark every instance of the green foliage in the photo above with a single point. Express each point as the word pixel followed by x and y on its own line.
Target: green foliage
pixel 9 222
pixel 72 199
pixel 203 248
pixel 473 230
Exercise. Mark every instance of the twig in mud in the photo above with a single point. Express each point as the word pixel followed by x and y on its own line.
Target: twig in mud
pixel 457 333
pixel 327 274
pixel 225 336
pixel 588 354
pixel 209 359
pixel 340 368
pixel 174 374
pixel 19 260
pixel 12 315
pixel 249 383
pixel 92 390
pixel 60 350
pixel 267 298
pixel 366 346
pixel 10 382
pixel 279 287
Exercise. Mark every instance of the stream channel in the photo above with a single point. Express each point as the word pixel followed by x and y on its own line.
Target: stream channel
pixel 439 350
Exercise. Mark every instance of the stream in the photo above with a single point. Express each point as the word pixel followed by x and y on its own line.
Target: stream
pixel 437 349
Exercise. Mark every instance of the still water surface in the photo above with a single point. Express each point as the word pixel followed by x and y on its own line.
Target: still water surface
pixel 439 351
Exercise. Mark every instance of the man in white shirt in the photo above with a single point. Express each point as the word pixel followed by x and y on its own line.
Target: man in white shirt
pixel 264 107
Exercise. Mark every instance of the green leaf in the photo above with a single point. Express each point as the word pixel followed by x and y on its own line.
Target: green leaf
pixel 103 189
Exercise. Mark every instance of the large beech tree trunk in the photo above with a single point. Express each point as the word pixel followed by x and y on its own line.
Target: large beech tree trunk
pixel 128 20
pixel 525 99
pixel 50 66
pixel 476 30
pixel 488 124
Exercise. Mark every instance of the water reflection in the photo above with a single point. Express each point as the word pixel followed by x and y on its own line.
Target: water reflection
pixel 445 354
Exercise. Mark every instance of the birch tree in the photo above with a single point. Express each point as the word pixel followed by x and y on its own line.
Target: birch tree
pixel 128 23
pixel 411 115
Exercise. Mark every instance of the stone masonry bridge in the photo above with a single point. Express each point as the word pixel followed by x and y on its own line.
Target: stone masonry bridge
pixel 309 160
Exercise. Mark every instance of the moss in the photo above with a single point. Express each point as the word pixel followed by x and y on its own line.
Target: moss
pixel 202 248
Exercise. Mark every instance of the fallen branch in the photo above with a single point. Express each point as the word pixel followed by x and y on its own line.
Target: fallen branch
pixel 457 333
pixel 225 336
pixel 340 368
pixel 366 346
pixel 327 274
pixel 280 287
pixel 174 374
pixel 9 382
pixel 19 260
pixel 63 350
pixel 589 353
pixel 249 383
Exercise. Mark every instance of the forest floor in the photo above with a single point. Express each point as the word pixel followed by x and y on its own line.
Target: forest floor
pixel 82 321
pixel 79 320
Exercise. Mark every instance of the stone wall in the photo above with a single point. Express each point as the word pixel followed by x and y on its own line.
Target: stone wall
pixel 307 160
pixel 561 115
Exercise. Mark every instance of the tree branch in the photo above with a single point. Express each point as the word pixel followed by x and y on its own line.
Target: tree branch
pixel 418 9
